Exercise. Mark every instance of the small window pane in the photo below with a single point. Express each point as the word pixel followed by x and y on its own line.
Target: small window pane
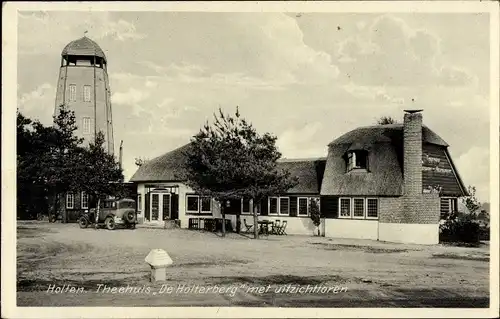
pixel 192 203
pixel 372 208
pixel 87 125
pixel 139 202
pixel 70 203
pixel 85 200
pixel 205 204
pixel 273 205
pixel 86 93
pixel 72 92
pixel 359 207
pixel 284 205
pixel 345 207
pixel 302 206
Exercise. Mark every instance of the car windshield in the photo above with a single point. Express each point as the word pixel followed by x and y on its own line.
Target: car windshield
pixel 127 204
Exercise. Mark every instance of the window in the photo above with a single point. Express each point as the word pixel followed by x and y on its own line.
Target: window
pixel 278 205
pixel 245 206
pixel 87 125
pixel 371 208
pixel 85 200
pixel 193 205
pixel 357 160
pixel 302 206
pixel 206 203
pixel 359 208
pixel 198 204
pixel 70 201
pixel 72 93
pixel 448 205
pixel 273 205
pixel 86 93
pixel 284 205
pixel 345 208
pixel 139 202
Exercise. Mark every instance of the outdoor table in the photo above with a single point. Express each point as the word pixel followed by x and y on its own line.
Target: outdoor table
pixel 229 226
pixel 264 226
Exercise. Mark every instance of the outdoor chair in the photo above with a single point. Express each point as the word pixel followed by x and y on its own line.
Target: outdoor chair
pixel 195 223
pixel 275 227
pixel 282 229
pixel 248 226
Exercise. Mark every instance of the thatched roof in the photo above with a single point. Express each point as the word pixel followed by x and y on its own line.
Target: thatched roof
pixel 169 167
pixel 385 162
pixel 309 173
pixel 384 177
pixel 368 135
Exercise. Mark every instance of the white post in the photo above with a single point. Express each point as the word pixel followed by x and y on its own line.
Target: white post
pixel 158 260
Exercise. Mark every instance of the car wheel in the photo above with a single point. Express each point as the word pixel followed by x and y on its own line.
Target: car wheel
pixel 110 223
pixel 83 222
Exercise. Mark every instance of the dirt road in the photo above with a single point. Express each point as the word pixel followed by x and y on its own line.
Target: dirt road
pixel 276 271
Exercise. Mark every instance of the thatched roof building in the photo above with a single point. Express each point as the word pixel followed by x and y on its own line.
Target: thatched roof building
pixel 384 174
pixel 328 176
pixel 169 167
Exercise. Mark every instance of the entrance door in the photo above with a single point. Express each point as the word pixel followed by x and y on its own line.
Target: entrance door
pixel 165 211
pixel 160 206
pixel 155 206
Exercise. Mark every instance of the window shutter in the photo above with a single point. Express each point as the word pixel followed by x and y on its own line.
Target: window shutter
pixel 329 206
pixel 174 202
pixel 293 206
pixel 263 207
pixel 146 208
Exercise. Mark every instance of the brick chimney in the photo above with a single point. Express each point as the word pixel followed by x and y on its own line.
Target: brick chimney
pixel 412 148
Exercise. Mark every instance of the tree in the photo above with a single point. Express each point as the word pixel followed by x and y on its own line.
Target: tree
pixel 60 165
pixel 471 202
pixel 139 161
pixel 44 158
pixel 230 160
pixel 99 174
pixel 314 211
pixel 385 120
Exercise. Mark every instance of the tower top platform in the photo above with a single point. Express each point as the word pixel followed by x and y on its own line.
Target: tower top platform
pixel 83 46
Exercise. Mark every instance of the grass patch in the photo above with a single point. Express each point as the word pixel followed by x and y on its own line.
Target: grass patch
pixel 212 263
pixel 366 249
pixel 462 244
pixel 461 257
pixel 276 280
pixel 31 232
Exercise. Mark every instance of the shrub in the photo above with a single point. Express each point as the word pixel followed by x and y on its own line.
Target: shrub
pixel 315 213
pixel 459 227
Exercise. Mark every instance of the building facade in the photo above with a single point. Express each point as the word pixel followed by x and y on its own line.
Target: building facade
pixel 83 87
pixel 384 182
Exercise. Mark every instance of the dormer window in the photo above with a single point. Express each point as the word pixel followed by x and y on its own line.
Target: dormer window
pixel 357 160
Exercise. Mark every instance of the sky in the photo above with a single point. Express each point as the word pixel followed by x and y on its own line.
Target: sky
pixel 305 77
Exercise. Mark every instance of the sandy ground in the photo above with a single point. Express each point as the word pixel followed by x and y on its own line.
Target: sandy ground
pixel 346 273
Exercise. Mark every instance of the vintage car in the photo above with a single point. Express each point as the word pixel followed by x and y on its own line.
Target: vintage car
pixel 112 212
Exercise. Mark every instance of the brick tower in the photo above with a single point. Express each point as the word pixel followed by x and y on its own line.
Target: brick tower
pixel 83 86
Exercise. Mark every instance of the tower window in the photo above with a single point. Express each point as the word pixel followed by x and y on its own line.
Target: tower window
pixel 86 93
pixel 72 93
pixel 87 125
pixel 357 159
pixel 85 200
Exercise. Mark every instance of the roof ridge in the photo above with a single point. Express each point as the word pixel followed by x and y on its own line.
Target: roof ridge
pixel 305 159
